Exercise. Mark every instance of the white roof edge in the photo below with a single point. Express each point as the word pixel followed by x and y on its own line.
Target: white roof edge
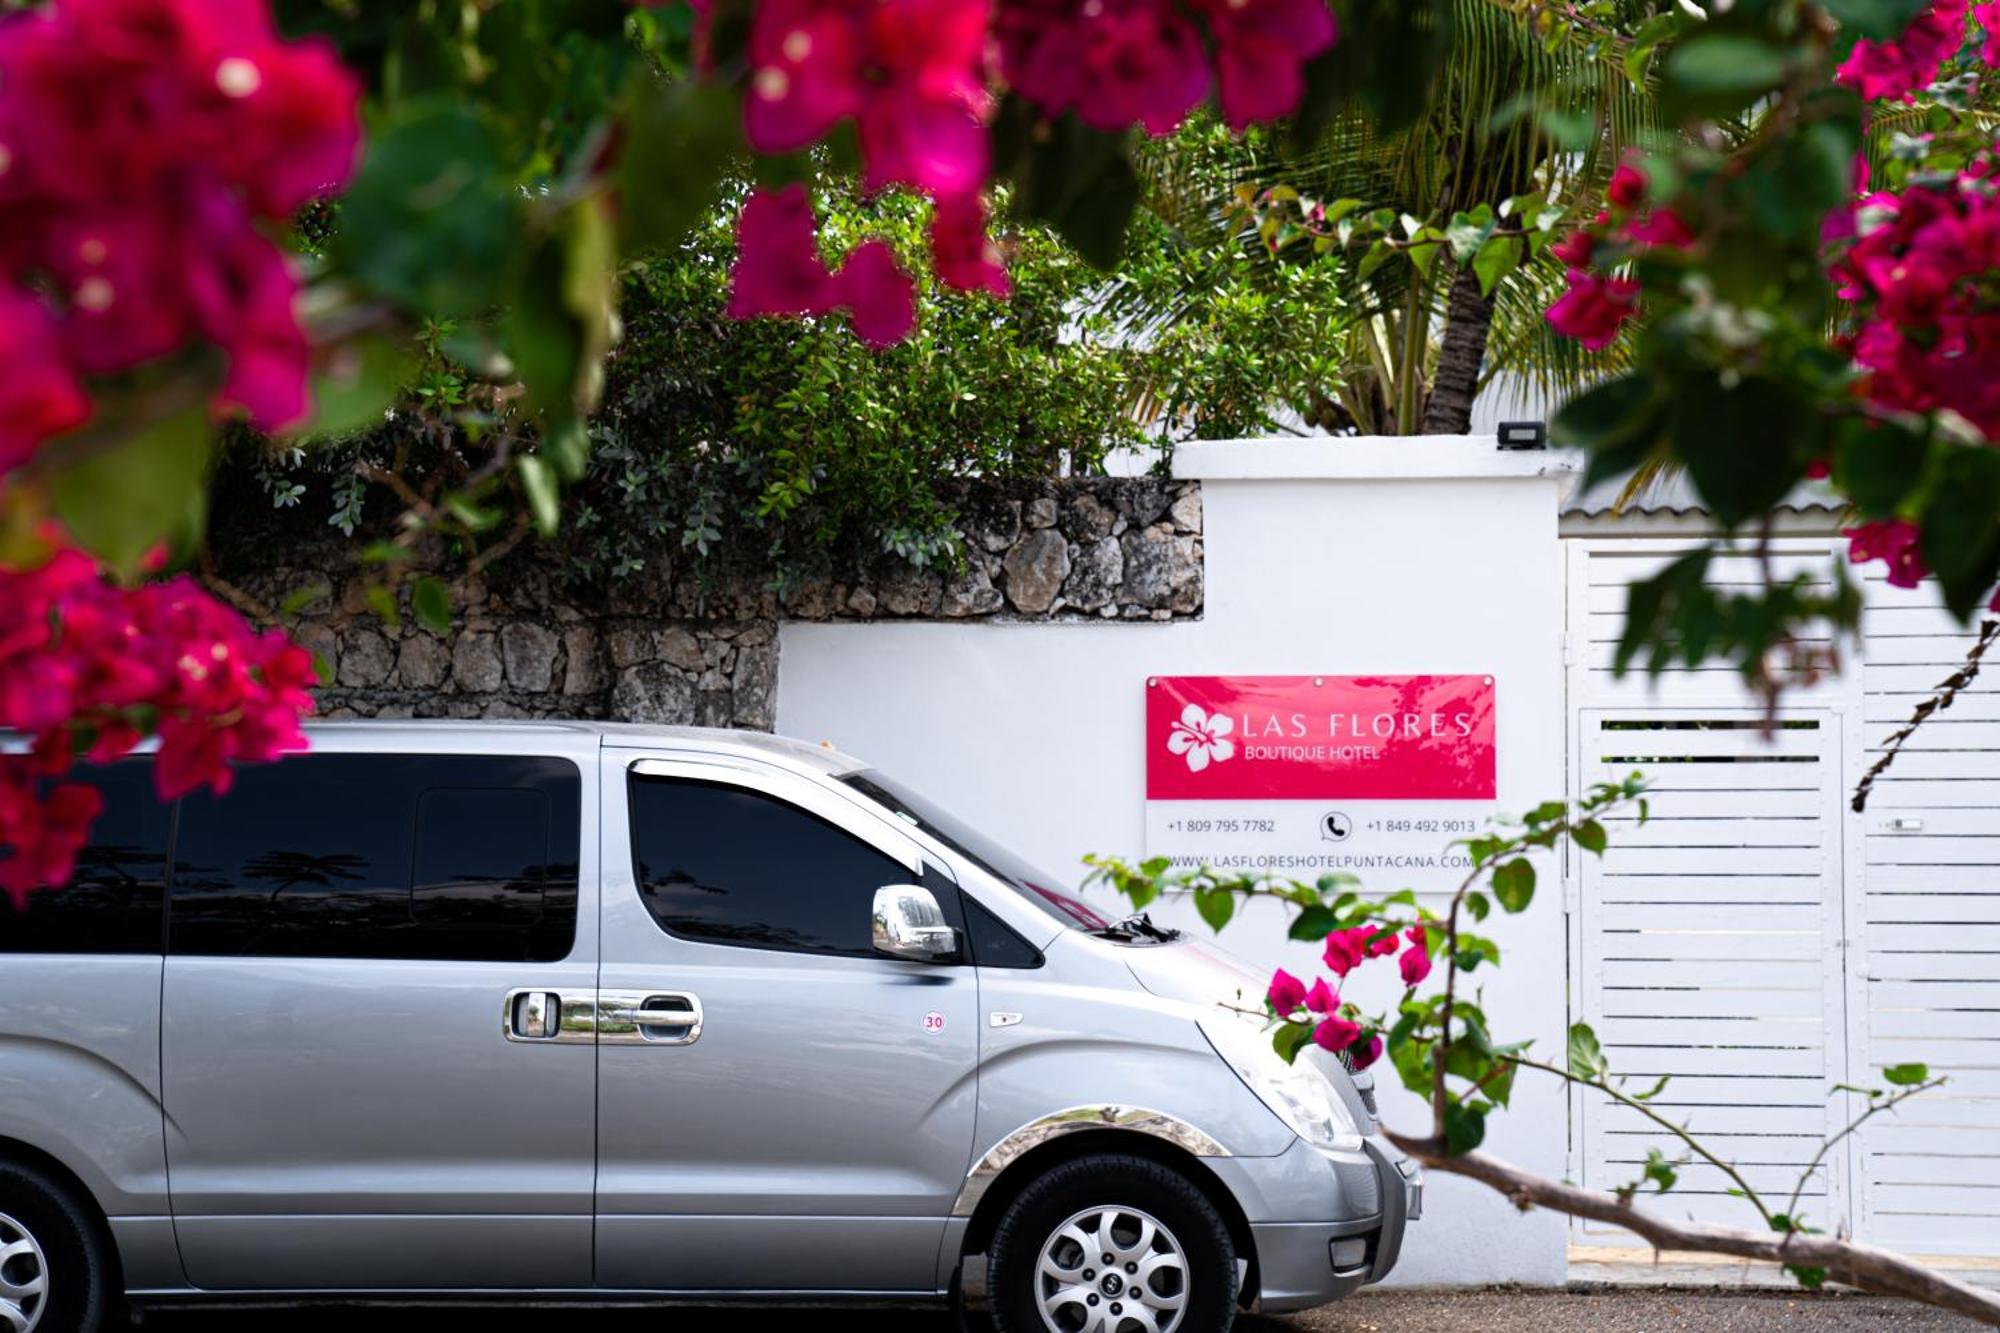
pixel 610 736
pixel 1366 458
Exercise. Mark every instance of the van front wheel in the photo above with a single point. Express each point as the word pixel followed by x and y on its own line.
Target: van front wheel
pixel 1112 1244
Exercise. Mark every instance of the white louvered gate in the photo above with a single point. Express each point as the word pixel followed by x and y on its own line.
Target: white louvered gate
pixel 1928 1180
pixel 1710 940
pixel 1763 943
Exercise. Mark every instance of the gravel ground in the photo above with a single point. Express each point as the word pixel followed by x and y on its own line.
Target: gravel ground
pixel 1474 1311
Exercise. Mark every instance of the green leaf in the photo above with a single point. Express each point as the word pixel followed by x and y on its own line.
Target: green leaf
pixel 431 600
pixel 1514 884
pixel 1464 1127
pixel 1477 905
pixel 1744 444
pixel 1878 463
pixel 559 318
pixel 1495 260
pixel 539 481
pixel 121 502
pixel 1880 19
pixel 1216 906
pixel 679 141
pixel 1590 836
pixel 430 218
pixel 1313 923
pixel 1660 1171
pixel 1467 232
pixel 1961 527
pixel 1717 70
pixel 354 383
pixel 1617 422
pixel 1586 1056
pixel 299 598
pixel 382 601
pixel 1078 179
pixel 1906 1076
pixel 1289 1039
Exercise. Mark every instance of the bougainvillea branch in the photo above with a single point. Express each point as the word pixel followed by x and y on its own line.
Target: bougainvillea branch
pixel 1942 698
pixel 1443 1051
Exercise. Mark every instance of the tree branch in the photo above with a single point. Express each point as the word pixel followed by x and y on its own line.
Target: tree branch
pixel 1653 1115
pixel 1947 691
pixel 1855 1264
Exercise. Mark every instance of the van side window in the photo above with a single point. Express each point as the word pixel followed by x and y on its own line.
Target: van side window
pixel 467 857
pixel 731 866
pixel 112 903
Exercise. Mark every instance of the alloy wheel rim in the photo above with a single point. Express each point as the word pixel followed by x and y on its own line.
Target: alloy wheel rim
pixel 1112 1270
pixel 24 1278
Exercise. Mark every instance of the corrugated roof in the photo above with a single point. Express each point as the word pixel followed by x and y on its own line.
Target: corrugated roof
pixel 1673 493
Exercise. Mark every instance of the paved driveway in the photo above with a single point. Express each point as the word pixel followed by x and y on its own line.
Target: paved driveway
pixel 1626 1311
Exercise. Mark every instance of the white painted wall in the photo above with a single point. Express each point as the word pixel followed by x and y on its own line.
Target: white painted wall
pixel 1323 557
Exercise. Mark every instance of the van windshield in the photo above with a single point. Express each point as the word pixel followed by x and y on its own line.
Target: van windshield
pixel 1044 891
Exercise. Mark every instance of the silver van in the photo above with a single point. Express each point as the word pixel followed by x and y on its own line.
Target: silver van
pixel 490 1011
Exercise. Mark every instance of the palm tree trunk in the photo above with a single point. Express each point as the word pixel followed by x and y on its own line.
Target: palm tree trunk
pixel 1468 317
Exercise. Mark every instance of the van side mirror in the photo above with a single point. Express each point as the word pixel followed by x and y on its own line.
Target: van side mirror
pixel 910 924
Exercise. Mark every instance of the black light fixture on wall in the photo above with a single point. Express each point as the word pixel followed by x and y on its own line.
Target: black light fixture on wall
pixel 1524 435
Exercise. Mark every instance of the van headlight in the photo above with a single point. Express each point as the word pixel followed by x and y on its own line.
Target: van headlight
pixel 1297 1094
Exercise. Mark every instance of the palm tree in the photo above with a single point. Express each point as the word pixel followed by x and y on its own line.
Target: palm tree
pixel 1410 346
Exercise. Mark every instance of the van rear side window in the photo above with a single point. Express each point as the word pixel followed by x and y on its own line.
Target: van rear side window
pixel 112 903
pixel 467 857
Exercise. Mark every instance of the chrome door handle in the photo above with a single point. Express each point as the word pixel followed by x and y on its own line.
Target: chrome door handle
pixel 659 1018
pixel 532 1015
pixel 535 1014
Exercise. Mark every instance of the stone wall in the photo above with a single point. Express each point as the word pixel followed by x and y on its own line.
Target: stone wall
pixel 670 645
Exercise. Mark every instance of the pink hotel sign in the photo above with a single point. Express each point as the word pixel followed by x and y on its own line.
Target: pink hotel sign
pixel 1320 738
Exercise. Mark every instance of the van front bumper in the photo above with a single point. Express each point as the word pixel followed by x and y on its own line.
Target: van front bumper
pixel 1304 1264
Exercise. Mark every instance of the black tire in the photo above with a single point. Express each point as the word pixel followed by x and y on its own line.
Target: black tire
pixel 78 1275
pixel 1111 1181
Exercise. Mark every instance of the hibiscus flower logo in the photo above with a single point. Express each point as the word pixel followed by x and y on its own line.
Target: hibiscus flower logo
pixel 1202 738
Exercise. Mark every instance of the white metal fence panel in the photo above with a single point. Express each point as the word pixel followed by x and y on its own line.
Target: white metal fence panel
pixel 1710 945
pixel 1928 1178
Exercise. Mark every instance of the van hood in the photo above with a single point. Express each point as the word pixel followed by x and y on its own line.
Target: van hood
pixel 1198 974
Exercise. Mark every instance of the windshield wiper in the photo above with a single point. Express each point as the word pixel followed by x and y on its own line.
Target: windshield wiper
pixel 1139 926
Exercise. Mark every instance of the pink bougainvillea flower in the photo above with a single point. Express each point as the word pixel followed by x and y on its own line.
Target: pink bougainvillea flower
pixel 778 270
pixel 1892 541
pixel 1322 998
pixel 146 147
pixel 39 395
pixel 1594 308
pixel 1662 227
pixel 908 72
pixel 1286 993
pixel 1910 62
pixel 43 834
pixel 1415 962
pixel 1262 47
pixel 880 298
pixel 1987 16
pixel 83 660
pixel 120 274
pixel 1335 1034
pixel 1576 248
pixel 293 134
pixel 964 256
pixel 1343 952
pixel 1365 1052
pixel 1348 949
pixel 245 298
pixel 1627 189
pixel 1115 63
